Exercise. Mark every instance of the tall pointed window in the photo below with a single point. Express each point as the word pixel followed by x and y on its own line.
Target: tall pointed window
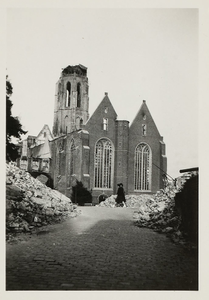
pixel 68 94
pixel 142 167
pixel 103 164
pixel 78 94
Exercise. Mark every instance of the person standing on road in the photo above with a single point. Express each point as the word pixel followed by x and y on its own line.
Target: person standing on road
pixel 120 199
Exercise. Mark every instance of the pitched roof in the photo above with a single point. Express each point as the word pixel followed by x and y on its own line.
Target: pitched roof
pixel 104 103
pixel 41 136
pixel 144 111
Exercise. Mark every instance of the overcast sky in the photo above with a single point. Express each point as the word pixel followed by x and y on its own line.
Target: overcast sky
pixel 133 54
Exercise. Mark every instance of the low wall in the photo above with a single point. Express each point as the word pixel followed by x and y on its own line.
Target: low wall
pixel 186 203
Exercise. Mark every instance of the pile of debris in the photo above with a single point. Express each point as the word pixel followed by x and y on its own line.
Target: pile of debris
pixel 139 201
pixel 160 213
pixel 159 205
pixel 108 202
pixel 30 204
pixel 132 201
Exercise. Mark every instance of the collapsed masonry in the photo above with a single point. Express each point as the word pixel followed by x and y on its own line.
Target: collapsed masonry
pixel 31 204
pixel 167 210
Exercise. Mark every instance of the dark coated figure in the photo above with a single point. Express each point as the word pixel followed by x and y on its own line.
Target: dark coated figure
pixel 120 199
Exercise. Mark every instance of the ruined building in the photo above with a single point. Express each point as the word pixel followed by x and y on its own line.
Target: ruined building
pixel 101 151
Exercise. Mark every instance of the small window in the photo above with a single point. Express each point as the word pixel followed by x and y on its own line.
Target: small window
pixel 105 124
pixel 144 129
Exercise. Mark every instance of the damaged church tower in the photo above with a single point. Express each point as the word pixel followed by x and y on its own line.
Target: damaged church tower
pixel 71 100
pixel 100 151
pixel 70 147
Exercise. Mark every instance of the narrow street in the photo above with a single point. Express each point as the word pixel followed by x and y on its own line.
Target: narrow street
pixel 101 249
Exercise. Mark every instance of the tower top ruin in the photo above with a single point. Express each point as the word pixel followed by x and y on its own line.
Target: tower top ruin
pixel 77 69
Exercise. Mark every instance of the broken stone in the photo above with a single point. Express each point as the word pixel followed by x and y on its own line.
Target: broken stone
pixel 26 228
pixel 37 201
pixel 49 212
pixel 178 233
pixel 29 202
pixel 168 229
pixel 14 225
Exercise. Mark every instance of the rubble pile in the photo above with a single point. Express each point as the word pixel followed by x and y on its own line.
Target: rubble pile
pixel 161 204
pixel 157 211
pixel 160 213
pixel 139 201
pixel 108 202
pixel 31 204
pixel 132 201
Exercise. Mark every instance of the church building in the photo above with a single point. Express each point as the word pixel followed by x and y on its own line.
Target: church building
pixel 100 151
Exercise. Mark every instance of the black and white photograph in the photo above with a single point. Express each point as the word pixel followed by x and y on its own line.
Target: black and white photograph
pixel 102 148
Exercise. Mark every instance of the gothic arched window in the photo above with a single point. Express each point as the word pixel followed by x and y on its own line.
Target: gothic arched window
pixel 68 94
pixel 142 167
pixel 103 164
pixel 78 94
